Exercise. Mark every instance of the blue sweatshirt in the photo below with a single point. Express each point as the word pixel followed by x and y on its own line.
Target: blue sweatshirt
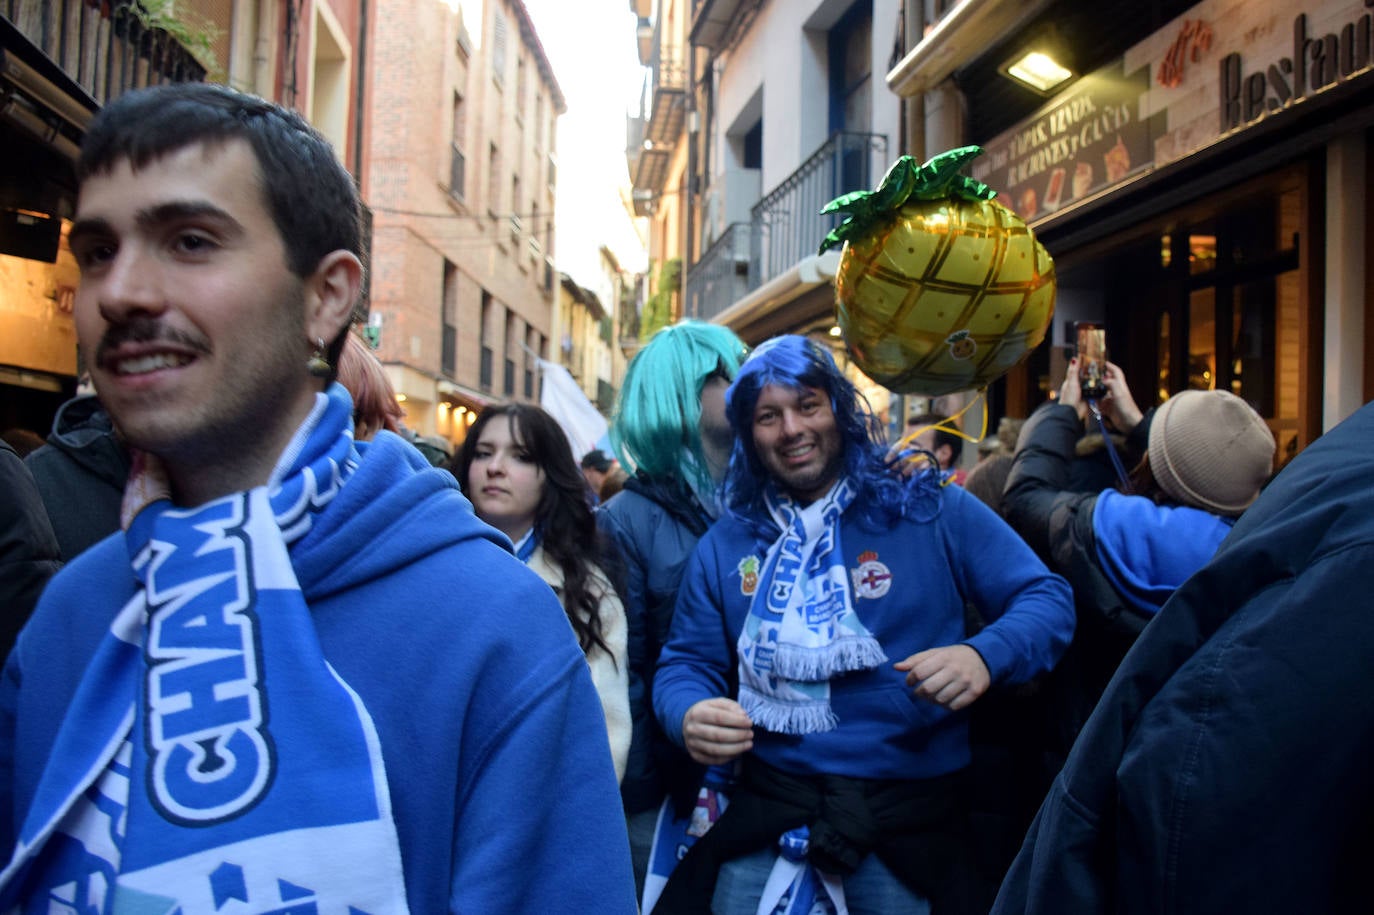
pixel 495 747
pixel 912 582
pixel 1148 550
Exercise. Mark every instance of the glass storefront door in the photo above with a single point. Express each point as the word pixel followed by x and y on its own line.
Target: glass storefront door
pixel 1213 296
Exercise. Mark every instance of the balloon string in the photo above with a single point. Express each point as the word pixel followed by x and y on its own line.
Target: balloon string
pixel 913 457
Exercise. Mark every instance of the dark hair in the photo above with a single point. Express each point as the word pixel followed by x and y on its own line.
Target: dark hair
pixel 567 529
pixel 311 196
pixel 597 460
pixel 1141 482
pixel 796 362
pixel 942 435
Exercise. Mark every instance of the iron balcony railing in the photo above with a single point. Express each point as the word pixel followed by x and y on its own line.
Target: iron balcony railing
pixel 106 48
pixel 669 70
pixel 721 276
pixel 787 222
pixel 785 226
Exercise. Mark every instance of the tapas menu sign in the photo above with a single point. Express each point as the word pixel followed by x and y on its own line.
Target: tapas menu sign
pixel 1086 139
pixel 1222 68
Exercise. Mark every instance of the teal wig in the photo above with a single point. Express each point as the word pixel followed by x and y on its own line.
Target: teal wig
pixel 658 415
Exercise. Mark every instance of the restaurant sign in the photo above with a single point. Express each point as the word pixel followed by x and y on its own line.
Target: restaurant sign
pixel 1088 138
pixel 1223 68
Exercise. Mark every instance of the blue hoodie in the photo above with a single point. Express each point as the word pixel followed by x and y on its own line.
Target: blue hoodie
pixel 923 573
pixel 1148 550
pixel 503 791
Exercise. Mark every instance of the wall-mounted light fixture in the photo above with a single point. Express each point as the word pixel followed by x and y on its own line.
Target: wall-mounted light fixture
pixel 1041 65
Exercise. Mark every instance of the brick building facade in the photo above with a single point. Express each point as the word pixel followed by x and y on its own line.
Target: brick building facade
pixel 459 172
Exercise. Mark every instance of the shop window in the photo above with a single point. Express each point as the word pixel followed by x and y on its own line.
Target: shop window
pixel 1213 296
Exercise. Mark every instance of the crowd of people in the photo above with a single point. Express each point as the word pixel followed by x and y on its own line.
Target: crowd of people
pixel 745 658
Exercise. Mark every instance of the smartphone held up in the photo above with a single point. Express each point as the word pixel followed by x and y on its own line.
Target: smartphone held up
pixel 1092 359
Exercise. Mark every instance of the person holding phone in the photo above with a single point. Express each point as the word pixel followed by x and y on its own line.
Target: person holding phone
pixel 1126 550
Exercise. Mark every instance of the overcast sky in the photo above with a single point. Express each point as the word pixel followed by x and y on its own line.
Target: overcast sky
pixel 591 45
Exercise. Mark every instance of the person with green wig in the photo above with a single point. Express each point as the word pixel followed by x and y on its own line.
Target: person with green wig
pixel 670 431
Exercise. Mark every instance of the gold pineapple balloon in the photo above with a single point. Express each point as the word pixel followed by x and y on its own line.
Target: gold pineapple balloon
pixel 940 288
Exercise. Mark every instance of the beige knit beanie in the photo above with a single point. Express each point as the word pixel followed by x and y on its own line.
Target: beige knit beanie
pixel 1210 450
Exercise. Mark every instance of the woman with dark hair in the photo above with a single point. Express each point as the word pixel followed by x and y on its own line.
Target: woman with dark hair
pixel 517 468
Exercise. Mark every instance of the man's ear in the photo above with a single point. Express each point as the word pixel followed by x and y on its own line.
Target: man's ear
pixel 331 292
pixel 944 454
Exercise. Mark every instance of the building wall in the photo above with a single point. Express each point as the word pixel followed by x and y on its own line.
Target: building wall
pixel 437 84
pixel 779 70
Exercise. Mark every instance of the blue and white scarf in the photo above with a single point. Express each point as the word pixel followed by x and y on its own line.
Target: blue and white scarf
pixel 795 886
pixel 212 760
pixel 802 629
pixel 524 547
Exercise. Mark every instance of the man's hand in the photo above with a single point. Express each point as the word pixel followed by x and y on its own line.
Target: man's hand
pixel 717 731
pixel 953 676
pixel 1071 391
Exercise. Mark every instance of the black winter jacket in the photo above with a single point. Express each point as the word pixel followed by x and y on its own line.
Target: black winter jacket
pixel 28 549
pixel 1226 768
pixel 80 474
pixel 1039 504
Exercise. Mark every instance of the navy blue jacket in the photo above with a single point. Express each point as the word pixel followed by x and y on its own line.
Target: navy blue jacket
pixel 656 525
pixel 1226 768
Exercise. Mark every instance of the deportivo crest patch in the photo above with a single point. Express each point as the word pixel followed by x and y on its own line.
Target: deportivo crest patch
pixel 871 578
pixel 748 575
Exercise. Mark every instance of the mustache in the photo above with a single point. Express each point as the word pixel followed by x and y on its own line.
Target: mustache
pixel 146 329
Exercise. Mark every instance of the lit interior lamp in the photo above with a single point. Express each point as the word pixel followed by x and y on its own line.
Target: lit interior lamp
pixel 835 330
pixel 1038 70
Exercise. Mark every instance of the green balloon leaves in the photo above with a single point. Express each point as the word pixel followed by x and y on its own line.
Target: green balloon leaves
pixel 938 179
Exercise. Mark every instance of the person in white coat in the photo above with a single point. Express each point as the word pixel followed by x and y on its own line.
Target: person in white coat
pixel 517 468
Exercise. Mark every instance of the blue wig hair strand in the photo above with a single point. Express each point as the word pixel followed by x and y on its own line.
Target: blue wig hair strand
pixel 796 362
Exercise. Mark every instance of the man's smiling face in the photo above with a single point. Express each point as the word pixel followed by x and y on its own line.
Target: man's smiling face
pixel 193 325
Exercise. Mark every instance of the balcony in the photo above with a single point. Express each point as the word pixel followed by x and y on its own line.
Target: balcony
pixel 651 170
pixel 721 276
pixel 669 112
pixel 787 222
pixel 786 225
pixel 100 52
pixel 714 22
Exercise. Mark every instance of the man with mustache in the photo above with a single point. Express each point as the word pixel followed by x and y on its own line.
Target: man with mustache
pixel 819 639
pixel 303 676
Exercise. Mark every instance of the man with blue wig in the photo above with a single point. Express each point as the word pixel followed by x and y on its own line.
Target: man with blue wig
pixel 819 639
pixel 670 428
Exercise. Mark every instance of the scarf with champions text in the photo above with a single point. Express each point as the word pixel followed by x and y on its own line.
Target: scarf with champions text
pixel 802 629
pixel 212 760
